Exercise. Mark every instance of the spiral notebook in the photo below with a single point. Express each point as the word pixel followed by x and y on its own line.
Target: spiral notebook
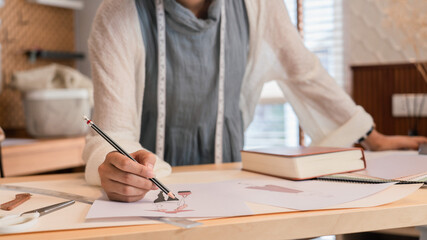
pixel 399 167
pixel 368 179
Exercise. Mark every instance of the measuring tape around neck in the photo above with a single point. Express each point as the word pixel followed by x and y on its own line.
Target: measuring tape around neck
pixel 161 83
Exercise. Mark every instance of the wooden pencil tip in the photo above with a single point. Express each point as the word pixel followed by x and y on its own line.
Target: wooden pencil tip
pixel 170 194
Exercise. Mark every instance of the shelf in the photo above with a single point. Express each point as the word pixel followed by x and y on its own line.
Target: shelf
pixel 72 4
pixel 33 55
pixel 42 156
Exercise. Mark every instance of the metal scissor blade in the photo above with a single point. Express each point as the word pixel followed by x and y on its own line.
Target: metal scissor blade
pixel 48 209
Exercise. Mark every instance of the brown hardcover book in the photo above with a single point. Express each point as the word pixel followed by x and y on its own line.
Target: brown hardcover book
pixel 299 163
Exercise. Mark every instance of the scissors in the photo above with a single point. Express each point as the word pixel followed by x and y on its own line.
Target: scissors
pixel 23 221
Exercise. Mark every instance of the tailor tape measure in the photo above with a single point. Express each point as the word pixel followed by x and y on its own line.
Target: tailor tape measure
pixel 161 83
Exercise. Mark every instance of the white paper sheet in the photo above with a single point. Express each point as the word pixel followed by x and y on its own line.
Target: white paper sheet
pixel 304 195
pixel 227 198
pixel 198 200
pixel 396 165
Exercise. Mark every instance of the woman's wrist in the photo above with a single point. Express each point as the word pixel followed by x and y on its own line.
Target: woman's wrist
pixel 372 141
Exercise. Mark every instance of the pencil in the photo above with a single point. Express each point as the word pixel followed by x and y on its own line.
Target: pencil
pixel 122 151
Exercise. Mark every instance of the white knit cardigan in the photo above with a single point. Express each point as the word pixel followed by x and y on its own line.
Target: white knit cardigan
pixel 326 113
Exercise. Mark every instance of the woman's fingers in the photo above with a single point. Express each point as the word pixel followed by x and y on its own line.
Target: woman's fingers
pixel 127 165
pixel 125 180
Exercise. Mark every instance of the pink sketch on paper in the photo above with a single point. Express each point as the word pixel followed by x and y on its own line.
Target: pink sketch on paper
pixel 275 188
pixel 170 205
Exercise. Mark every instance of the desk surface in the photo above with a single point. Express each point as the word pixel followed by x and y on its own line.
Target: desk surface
pixel 410 211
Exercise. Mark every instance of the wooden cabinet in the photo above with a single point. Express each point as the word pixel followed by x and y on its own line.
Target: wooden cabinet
pixel 42 156
pixel 373 88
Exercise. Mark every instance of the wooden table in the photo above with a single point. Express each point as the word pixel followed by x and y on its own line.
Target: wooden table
pixel 410 211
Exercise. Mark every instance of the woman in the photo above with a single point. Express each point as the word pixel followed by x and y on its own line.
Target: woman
pixel 182 78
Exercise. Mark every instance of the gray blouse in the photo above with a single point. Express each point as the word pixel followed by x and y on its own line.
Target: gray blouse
pixel 192 66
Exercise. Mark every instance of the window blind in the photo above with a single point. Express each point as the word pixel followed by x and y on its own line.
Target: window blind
pixel 275 123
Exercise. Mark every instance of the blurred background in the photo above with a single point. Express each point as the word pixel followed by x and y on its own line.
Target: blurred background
pixel 373 48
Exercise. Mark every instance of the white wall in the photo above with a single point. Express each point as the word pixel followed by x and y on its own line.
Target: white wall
pixel 371 39
pixel 83 24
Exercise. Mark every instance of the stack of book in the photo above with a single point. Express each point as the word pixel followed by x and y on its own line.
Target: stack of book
pixel 299 163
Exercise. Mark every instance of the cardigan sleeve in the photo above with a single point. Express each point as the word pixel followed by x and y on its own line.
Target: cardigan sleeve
pixel 115 49
pixel 325 111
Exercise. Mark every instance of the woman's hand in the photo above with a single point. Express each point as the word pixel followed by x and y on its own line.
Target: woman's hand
pixel 379 142
pixel 125 180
